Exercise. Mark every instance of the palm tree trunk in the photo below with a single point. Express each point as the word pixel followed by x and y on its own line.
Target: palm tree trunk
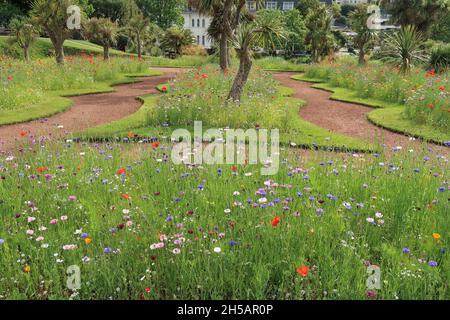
pixel 58 45
pixel 362 54
pixel 224 53
pixel 26 53
pixel 138 39
pixel 106 53
pixel 245 65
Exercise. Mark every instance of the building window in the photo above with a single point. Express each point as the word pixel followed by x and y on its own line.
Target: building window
pixel 271 5
pixel 203 23
pixel 193 22
pixel 198 39
pixel 251 5
pixel 198 23
pixel 288 5
pixel 203 40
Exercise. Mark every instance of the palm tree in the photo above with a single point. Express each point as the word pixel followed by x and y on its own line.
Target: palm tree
pixel 404 48
pixel 24 33
pixel 52 16
pixel 364 35
pixel 137 25
pixel 175 38
pixel 102 31
pixel 260 32
pixel 319 36
pixel 227 15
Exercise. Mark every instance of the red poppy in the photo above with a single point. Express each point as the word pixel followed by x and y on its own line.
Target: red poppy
pixel 23 133
pixel 276 221
pixel 164 88
pixel 148 290
pixel 303 271
pixel 10 78
pixel 125 196
pixel 204 76
pixel 131 135
pixel 155 144
pixel 42 169
pixel 430 105
pixel 442 88
pixel 121 171
pixel 234 168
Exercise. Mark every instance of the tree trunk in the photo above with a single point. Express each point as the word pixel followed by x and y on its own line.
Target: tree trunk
pixel 138 39
pixel 106 53
pixel 26 53
pixel 245 65
pixel 362 54
pixel 58 45
pixel 224 62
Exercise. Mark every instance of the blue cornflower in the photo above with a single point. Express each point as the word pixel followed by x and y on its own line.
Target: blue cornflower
pixel 232 243
pixel 319 212
pixel 107 250
pixel 406 250
pixel 169 218
pixel 432 263
pixel 441 189
pixel 2 241
pixel 300 194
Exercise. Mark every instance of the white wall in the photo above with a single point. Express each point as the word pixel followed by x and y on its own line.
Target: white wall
pixel 200 28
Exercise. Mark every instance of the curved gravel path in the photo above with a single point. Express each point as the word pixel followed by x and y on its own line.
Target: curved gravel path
pixel 346 118
pixel 87 111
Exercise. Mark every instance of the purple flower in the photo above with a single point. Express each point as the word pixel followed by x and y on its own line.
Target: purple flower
pixel 319 212
pixel 169 218
pixel 72 198
pixel 406 250
pixel 232 243
pixel 107 250
pixel 2 241
pixel 432 263
pixel 84 235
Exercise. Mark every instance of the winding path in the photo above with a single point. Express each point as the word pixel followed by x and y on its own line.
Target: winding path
pixel 342 117
pixel 88 111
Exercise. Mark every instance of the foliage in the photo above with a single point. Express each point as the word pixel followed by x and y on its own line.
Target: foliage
pixel 440 58
pixel 405 48
pixel 175 38
pixel 319 36
pixel 102 31
pixel 441 30
pixel 165 13
pixel 364 36
pixel 24 33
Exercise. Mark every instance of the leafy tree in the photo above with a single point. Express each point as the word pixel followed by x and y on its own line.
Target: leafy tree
pixel 364 35
pixel 260 32
pixel 112 9
pixel 52 16
pixel 319 36
pixel 137 26
pixel 421 13
pixel 305 6
pixel 24 33
pixel 404 48
pixel 8 11
pixel 102 31
pixel 175 38
pixel 164 13
pixel 441 30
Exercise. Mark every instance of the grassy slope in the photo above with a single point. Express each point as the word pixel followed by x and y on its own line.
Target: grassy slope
pixel 56 101
pixel 388 115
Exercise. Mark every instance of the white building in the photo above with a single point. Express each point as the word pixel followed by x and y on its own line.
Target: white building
pixel 199 24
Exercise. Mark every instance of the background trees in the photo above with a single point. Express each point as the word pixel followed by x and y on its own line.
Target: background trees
pixel 136 27
pixel 175 38
pixel 102 31
pixel 319 36
pixel 164 13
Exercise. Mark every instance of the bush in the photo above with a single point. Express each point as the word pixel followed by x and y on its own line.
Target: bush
pixel 194 50
pixel 440 58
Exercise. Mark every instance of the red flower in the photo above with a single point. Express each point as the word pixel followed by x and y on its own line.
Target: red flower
pixel 23 133
pixel 9 78
pixel 303 271
pixel 121 171
pixel 276 221
pixel 42 169
pixel 148 290
pixel 204 76
pixel 125 196
pixel 131 135
pixel 155 144
pixel 430 105
pixel 234 168
pixel 164 88
pixel 442 88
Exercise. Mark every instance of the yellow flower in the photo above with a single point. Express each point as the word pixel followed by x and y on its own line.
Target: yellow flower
pixel 26 269
pixel 88 240
pixel 436 236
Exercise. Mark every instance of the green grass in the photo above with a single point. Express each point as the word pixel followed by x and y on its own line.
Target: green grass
pixel 389 115
pixel 228 248
pixel 278 64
